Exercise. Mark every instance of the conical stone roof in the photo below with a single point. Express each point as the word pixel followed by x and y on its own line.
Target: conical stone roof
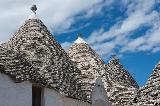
pixel 80 40
pixel 119 84
pixel 118 73
pixel 92 66
pixel 88 62
pixel 149 95
pixel 33 54
pixel 53 67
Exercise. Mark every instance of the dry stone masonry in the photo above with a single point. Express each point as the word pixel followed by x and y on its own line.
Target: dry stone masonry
pixel 88 62
pixel 117 72
pixel 119 84
pixel 149 95
pixel 51 65
pixel 34 55
pixel 15 65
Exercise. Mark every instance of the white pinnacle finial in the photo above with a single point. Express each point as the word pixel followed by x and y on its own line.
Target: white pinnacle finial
pixel 80 39
pixel 33 15
pixel 34 8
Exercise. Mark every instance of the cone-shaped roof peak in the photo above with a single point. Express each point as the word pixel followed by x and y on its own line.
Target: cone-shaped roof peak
pixel 119 73
pixel 51 65
pixel 114 57
pixel 158 65
pixel 33 14
pixel 80 39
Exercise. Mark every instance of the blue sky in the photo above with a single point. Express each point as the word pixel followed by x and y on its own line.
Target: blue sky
pixel 128 28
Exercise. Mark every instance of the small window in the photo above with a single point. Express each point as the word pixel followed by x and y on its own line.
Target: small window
pixel 37 93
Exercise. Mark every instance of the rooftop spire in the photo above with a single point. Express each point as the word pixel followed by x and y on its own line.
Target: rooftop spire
pixel 79 39
pixel 80 35
pixel 34 8
pixel 158 65
pixel 33 15
pixel 114 57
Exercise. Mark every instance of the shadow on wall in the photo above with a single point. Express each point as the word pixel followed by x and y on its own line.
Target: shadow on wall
pixel 99 103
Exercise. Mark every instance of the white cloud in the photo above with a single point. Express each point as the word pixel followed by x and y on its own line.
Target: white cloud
pixel 136 18
pixel 149 41
pixel 98 8
pixel 66 45
pixel 59 15
pixel 156 49
pixel 139 13
pixel 56 14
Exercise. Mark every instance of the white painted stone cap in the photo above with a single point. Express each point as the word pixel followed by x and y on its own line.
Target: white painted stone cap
pixel 33 14
pixel 80 39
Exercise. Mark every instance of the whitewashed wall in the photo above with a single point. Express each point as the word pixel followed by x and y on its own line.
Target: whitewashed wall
pixel 53 98
pixel 20 94
pixel 99 95
pixel 14 94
